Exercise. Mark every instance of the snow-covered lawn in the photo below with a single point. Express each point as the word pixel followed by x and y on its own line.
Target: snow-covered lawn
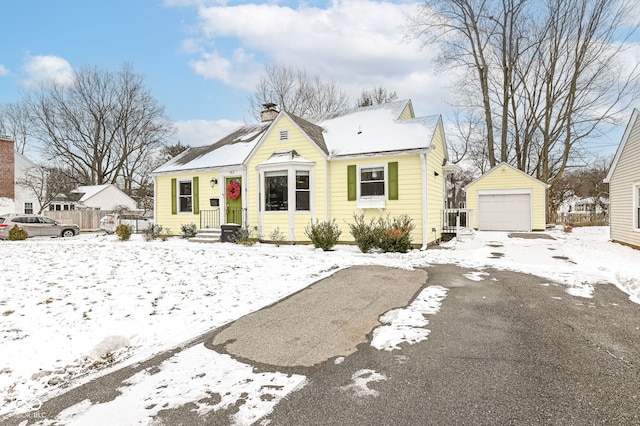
pixel 71 307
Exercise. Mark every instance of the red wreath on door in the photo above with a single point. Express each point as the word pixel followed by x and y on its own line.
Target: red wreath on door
pixel 233 190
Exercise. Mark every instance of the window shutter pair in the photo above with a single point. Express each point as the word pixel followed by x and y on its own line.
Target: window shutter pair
pixel 195 192
pixel 352 181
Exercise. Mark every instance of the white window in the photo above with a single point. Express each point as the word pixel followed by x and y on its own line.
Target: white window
pixel 302 190
pixel 284 135
pixel 636 206
pixel 372 182
pixel 28 208
pixel 185 196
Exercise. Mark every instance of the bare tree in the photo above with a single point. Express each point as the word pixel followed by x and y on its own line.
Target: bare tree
pixel 295 91
pixel 102 126
pixel 376 96
pixel 14 122
pixel 546 75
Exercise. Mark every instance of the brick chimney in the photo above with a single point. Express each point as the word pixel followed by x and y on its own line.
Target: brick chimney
pixel 269 113
pixel 7 168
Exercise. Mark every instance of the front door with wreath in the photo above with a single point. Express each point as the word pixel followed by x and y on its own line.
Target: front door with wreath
pixel 234 200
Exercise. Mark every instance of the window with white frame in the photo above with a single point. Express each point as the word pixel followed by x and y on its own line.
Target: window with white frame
pixel 28 208
pixel 372 182
pixel 276 190
pixel 303 191
pixel 636 206
pixel 185 196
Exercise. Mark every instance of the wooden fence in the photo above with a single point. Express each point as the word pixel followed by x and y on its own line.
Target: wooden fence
pixel 87 220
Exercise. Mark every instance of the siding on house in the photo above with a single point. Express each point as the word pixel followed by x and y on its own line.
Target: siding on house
pixel 623 175
pixel 504 177
pixel 164 199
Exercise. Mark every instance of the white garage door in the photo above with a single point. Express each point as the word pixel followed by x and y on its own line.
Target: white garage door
pixel 504 212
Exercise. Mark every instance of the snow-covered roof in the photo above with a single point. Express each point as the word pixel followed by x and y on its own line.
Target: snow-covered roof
pixel 358 131
pixel 377 130
pixel 284 157
pixel 231 150
pixel 89 191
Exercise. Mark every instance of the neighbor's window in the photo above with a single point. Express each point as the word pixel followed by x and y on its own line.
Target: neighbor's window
pixel 636 189
pixel 276 190
pixel 28 208
pixel 372 181
pixel 302 190
pixel 185 196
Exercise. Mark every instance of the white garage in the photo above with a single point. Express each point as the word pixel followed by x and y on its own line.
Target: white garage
pixel 504 212
pixel 507 199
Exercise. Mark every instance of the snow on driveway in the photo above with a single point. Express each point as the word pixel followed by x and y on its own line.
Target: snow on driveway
pixel 70 308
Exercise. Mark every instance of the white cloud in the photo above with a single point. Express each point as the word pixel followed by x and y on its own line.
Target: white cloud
pixel 3 70
pixel 45 69
pixel 239 70
pixel 204 132
pixel 357 44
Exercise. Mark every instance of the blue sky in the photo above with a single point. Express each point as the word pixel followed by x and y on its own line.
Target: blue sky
pixel 202 58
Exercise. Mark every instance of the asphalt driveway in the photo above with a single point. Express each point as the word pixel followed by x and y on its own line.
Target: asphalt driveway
pixel 510 349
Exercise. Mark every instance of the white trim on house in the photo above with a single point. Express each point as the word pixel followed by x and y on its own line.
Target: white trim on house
pixel 625 138
pixel 372 201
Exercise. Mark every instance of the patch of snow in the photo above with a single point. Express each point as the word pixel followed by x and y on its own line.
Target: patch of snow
pixel 359 386
pixel 406 325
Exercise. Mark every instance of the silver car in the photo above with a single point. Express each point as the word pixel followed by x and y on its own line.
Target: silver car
pixel 36 226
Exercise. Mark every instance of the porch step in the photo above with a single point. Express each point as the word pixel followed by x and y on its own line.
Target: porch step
pixel 207 235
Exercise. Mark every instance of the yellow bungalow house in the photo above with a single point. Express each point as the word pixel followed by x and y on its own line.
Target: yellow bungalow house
pixel 284 173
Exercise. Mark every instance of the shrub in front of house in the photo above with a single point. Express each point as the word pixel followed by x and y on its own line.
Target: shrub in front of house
pixel 323 235
pixel 124 232
pixel 384 234
pixel 243 237
pixel 395 234
pixel 16 233
pixel 188 230
pixel 365 234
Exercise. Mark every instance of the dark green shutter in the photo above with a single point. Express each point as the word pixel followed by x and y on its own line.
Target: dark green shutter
pixel 352 182
pixel 174 197
pixel 196 195
pixel 393 180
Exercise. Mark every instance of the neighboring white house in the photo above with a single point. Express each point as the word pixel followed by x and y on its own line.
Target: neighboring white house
pixel 577 209
pixel 624 187
pixel 15 198
pixel 95 197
